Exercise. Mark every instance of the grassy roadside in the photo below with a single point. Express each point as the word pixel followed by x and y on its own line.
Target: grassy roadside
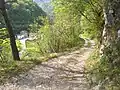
pixel 100 74
pixel 14 68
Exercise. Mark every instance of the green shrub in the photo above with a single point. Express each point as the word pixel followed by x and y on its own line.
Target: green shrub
pixel 105 70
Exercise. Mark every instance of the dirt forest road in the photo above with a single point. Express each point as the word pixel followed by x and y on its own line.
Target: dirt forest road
pixel 65 72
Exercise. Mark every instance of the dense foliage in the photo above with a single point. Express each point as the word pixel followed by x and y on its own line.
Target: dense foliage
pixel 62 34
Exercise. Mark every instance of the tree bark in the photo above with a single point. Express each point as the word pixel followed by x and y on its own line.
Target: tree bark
pixel 111 12
pixel 15 52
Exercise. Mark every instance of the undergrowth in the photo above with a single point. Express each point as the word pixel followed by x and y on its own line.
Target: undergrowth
pixel 104 72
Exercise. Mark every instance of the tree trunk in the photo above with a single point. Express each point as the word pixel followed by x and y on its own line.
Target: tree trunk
pixel 111 12
pixel 15 52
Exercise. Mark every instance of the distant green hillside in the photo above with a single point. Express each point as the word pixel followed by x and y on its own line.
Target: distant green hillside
pixel 22 14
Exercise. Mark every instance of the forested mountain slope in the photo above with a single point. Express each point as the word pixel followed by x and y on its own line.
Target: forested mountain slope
pixel 22 14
